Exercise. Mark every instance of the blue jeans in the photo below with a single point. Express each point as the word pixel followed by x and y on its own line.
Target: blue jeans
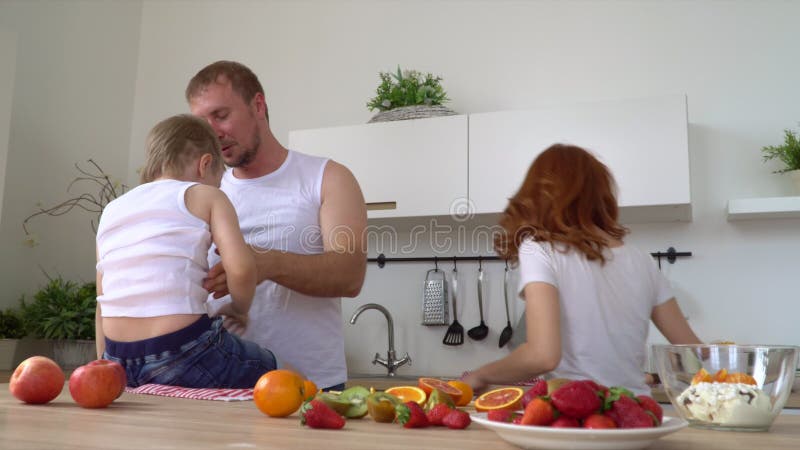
pixel 202 355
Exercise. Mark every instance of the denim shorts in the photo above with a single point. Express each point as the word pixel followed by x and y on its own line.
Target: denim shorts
pixel 202 355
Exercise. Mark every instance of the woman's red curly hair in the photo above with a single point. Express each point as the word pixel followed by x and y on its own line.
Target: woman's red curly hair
pixel 567 197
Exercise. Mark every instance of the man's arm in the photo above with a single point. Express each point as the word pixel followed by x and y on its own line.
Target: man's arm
pixel 340 270
pixel 337 272
pixel 99 336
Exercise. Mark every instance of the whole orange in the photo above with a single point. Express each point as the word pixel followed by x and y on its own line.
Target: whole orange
pixel 309 390
pixel 278 393
pixel 466 392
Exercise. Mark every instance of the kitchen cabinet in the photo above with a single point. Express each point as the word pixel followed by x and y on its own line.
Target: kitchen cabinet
pixel 430 167
pixel 406 168
pixel 643 141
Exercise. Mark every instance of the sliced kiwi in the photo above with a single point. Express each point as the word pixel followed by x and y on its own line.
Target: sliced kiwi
pixel 335 401
pixel 356 396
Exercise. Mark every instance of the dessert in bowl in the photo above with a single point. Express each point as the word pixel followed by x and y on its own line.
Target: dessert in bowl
pixel 727 387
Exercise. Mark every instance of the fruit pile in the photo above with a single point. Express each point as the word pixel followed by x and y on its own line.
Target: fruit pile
pixel 39 380
pixel 431 403
pixel 722 376
pixel 581 403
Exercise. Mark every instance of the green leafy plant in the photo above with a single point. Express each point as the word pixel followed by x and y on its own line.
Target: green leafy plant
pixel 11 325
pixel 407 88
pixel 788 153
pixel 61 310
pixel 95 177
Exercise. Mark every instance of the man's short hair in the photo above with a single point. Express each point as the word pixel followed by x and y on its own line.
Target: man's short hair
pixel 243 81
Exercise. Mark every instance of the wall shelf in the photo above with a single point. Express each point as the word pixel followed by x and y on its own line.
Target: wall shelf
pixel 764 208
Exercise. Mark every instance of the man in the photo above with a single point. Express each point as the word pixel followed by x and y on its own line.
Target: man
pixel 303 215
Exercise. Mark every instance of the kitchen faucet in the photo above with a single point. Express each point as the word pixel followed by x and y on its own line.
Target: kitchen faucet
pixel 391 363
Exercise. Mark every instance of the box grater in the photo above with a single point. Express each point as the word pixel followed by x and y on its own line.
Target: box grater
pixel 434 299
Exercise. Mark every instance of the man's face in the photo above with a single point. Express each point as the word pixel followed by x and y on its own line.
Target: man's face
pixel 233 119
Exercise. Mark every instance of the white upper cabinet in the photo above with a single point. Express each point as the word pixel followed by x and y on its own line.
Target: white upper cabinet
pixel 644 142
pixel 406 168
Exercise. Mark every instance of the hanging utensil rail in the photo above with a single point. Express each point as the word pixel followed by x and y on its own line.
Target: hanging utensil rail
pixel 671 254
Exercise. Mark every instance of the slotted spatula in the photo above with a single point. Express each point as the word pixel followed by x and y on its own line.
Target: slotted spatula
pixel 455 333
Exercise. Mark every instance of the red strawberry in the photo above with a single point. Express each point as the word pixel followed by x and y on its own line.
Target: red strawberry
pixel 457 420
pixel 411 415
pixel 517 419
pixel 316 414
pixel 576 399
pixel 437 414
pixel 598 388
pixel 537 390
pixel 599 421
pixel 627 413
pixel 565 422
pixel 539 412
pixel 651 405
pixel 500 415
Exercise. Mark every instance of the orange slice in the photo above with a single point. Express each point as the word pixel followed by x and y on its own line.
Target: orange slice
pixel 702 376
pixel 408 394
pixel 720 376
pixel 503 398
pixel 429 384
pixel 739 377
pixel 466 392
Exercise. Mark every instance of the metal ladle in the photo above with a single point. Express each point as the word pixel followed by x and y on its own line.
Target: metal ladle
pixel 505 335
pixel 479 332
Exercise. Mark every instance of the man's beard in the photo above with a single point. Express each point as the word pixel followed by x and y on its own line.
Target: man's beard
pixel 247 156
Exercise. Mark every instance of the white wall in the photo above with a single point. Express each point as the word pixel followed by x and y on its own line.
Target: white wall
pixel 319 61
pixel 8 54
pixel 72 100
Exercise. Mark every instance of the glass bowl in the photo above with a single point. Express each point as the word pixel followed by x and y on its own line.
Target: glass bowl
pixel 727 387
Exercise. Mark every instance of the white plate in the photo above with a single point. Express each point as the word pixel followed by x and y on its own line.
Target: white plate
pixel 532 437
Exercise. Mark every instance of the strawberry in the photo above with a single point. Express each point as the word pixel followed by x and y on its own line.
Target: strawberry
pixel 599 421
pixel 517 419
pixel 627 413
pixel 652 406
pixel 500 415
pixel 565 422
pixel 411 415
pixel 437 414
pixel 537 390
pixel 316 414
pixel 457 420
pixel 576 399
pixel 598 388
pixel 539 412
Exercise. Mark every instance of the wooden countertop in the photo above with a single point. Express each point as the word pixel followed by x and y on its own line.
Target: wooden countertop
pixel 145 421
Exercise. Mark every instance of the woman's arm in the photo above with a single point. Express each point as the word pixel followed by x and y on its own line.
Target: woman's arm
pixel 670 321
pixel 542 351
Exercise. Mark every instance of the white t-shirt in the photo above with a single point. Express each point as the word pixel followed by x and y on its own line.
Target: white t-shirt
pixel 280 210
pixel 152 253
pixel 605 309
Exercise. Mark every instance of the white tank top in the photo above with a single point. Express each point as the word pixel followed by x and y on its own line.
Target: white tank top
pixel 152 253
pixel 280 211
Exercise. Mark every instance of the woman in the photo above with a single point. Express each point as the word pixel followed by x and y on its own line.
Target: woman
pixel 589 296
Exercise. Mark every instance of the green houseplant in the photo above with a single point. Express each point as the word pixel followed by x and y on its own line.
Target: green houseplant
pixel 408 94
pixel 11 331
pixel 789 154
pixel 63 311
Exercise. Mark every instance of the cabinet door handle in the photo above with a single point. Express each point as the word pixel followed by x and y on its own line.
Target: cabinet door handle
pixel 378 206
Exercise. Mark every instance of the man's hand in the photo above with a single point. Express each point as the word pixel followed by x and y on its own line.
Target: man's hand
pixel 233 321
pixel 216 282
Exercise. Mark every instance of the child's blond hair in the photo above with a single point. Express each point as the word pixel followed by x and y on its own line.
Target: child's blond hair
pixel 176 142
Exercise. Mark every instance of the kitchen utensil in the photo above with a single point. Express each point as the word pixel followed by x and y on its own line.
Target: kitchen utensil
pixel 455 333
pixel 505 335
pixel 434 298
pixel 479 332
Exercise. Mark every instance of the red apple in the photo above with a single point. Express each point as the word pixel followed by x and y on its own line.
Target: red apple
pixel 37 380
pixel 123 378
pixel 95 385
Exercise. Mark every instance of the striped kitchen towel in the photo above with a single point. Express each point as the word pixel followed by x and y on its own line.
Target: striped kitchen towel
pixel 225 395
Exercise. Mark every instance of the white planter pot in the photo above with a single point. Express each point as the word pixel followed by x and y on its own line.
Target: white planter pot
pixel 8 351
pixel 69 354
pixel 795 176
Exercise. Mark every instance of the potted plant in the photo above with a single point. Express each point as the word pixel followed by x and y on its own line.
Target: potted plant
pixel 11 331
pixel 63 312
pixel 408 94
pixel 789 154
